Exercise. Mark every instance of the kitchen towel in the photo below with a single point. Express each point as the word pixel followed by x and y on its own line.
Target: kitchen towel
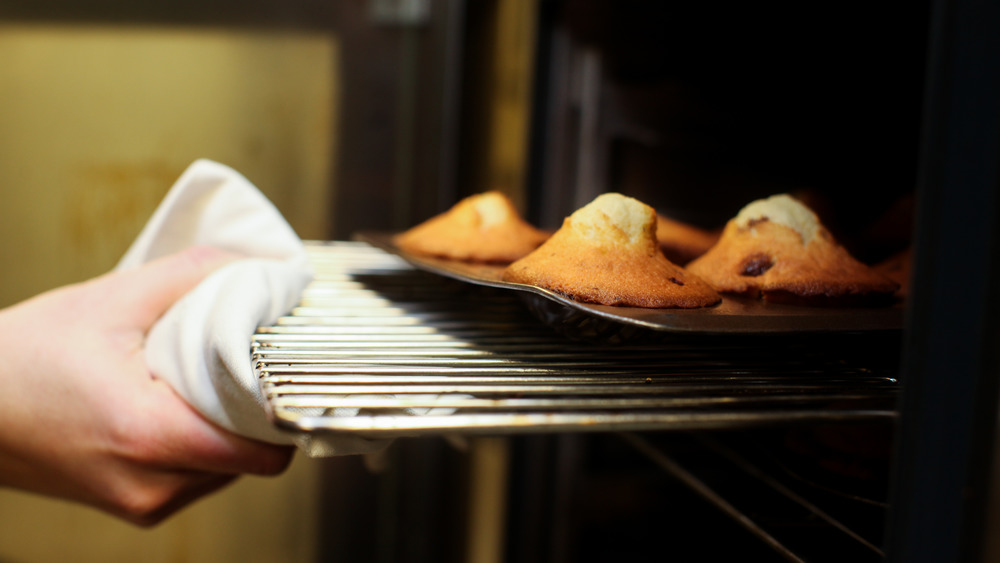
pixel 201 346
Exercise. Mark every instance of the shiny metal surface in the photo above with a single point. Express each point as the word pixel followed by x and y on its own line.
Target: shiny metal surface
pixel 379 349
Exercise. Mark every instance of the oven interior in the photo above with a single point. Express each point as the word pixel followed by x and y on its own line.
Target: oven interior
pixel 879 115
pixel 697 109
pixel 551 443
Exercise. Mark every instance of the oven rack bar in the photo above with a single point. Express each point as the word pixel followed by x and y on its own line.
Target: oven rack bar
pixel 379 349
pixel 765 500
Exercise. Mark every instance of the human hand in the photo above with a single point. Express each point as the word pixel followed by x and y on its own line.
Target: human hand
pixel 81 416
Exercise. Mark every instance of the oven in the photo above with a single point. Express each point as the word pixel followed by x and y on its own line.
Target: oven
pixel 867 446
pixel 522 437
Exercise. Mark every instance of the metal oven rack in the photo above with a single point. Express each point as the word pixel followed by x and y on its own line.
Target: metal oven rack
pixel 379 349
pixel 381 341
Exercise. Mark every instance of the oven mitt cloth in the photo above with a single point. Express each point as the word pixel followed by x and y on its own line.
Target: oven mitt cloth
pixel 201 346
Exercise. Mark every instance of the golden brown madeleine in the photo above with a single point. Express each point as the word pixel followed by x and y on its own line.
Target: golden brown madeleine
pixel 897 268
pixel 777 248
pixel 606 252
pixel 484 227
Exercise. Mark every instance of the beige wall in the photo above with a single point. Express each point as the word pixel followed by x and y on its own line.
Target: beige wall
pixel 97 122
pixel 95 125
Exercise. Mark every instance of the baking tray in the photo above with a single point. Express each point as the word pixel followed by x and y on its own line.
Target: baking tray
pixel 734 315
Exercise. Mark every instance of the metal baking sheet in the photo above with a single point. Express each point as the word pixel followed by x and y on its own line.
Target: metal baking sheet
pixel 733 316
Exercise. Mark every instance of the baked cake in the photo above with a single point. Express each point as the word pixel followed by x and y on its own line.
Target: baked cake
pixel 484 227
pixel 897 268
pixel 681 242
pixel 606 252
pixel 776 248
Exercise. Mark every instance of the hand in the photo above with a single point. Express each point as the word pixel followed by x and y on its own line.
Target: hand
pixel 81 416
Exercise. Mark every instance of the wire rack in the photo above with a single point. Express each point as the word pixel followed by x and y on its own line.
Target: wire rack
pixel 377 348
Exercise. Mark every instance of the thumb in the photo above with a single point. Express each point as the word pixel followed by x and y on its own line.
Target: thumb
pixel 149 290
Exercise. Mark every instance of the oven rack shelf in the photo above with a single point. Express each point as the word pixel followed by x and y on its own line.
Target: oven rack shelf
pixel 793 516
pixel 378 349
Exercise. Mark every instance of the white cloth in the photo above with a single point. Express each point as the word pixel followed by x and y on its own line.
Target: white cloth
pixel 201 346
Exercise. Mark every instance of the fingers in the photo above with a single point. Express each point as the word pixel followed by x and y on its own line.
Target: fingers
pixel 219 451
pixel 149 290
pixel 166 456
pixel 162 474
pixel 216 450
pixel 176 435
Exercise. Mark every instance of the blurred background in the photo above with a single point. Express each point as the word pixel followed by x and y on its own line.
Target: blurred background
pixel 98 120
